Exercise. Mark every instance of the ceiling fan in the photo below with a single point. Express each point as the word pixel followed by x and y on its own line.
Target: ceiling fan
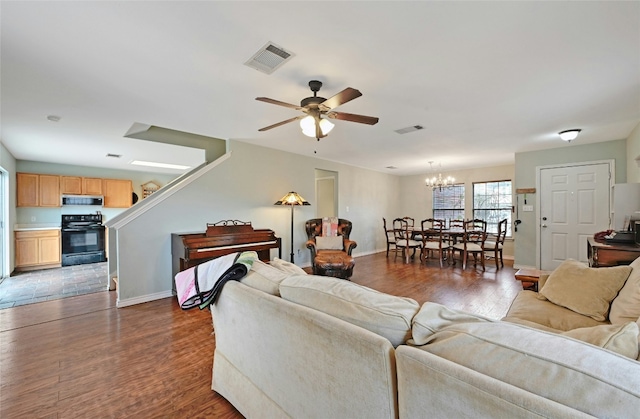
pixel 314 122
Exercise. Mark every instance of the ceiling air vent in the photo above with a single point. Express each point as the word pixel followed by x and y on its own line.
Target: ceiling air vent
pixel 115 156
pixel 409 129
pixel 269 58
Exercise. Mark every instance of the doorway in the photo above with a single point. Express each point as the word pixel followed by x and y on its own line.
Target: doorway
pixel 574 204
pixel 326 193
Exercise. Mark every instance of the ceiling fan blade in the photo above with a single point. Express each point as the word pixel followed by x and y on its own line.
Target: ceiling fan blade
pixel 340 98
pixel 370 120
pixel 282 123
pixel 277 102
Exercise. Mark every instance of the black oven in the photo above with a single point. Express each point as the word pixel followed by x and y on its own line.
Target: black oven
pixel 82 239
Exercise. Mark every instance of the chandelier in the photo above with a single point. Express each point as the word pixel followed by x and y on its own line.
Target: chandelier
pixel 438 182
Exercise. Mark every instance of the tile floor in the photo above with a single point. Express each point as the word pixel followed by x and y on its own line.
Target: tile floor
pixel 52 284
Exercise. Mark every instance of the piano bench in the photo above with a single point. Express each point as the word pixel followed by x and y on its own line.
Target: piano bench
pixel 335 263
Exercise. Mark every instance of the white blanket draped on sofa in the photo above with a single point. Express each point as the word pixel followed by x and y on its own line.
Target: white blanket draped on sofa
pixel 200 285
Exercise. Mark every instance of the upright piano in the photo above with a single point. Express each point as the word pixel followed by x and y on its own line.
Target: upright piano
pixel 219 239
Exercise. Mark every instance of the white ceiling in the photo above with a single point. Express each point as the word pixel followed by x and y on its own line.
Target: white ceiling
pixel 485 79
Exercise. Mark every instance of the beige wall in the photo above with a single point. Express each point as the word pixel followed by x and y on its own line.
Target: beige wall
pixel 525 177
pixel 8 164
pixel 417 199
pixel 244 187
pixel 633 153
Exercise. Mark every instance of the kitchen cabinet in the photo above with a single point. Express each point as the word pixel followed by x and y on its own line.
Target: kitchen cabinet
pixel 37 249
pixel 35 190
pixel 91 186
pixel 76 185
pixel 118 193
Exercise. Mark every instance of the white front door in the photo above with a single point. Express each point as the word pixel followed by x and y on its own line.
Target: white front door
pixel 574 204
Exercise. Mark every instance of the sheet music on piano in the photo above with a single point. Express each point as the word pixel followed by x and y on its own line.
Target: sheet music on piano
pixel 219 239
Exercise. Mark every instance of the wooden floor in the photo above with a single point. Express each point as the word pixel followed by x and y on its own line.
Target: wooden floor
pixel 82 357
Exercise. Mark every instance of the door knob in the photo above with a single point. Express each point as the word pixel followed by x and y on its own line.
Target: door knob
pixel 544 226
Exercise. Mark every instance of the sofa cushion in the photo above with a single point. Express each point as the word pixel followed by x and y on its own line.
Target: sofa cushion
pixel 619 338
pixel 265 277
pixel 622 339
pixel 384 314
pixel 585 290
pixel 527 306
pixel 552 366
pixel 433 317
pixel 288 267
pixel 329 243
pixel 626 306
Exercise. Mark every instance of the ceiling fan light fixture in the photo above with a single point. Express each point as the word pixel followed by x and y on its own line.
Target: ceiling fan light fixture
pixel 569 134
pixel 308 125
pixel 326 126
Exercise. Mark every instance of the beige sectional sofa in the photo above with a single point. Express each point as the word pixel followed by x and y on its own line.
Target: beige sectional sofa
pixel 295 345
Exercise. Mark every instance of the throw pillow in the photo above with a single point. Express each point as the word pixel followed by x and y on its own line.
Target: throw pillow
pixel 626 306
pixel 265 278
pixel 619 338
pixel 329 243
pixel 585 290
pixel 386 315
pixel 288 267
pixel 433 317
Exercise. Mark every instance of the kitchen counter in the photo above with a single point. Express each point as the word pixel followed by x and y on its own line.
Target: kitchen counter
pixel 33 227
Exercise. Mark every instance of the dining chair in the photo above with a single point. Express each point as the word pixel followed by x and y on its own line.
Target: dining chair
pixel 453 224
pixel 495 243
pixel 415 235
pixel 403 238
pixel 390 236
pixel 475 232
pixel 433 239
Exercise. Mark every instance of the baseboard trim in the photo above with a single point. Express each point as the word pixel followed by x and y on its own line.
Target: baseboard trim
pixel 143 299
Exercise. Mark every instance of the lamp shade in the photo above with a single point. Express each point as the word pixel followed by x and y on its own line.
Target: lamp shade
pixel 292 198
pixel 308 125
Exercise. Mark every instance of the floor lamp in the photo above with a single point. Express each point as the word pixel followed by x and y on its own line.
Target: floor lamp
pixel 292 199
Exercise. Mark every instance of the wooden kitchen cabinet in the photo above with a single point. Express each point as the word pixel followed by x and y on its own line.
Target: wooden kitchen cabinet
pixel 37 249
pixel 71 185
pixel 76 185
pixel 91 186
pixel 118 193
pixel 34 190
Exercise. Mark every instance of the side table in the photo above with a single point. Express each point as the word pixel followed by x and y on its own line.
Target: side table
pixel 529 278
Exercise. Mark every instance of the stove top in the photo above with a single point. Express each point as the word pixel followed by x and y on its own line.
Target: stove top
pixel 81 219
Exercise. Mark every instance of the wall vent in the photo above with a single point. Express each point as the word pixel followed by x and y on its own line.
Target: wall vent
pixel 409 129
pixel 269 58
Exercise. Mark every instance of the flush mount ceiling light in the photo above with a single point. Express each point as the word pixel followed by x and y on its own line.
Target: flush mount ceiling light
pixel 569 134
pixel 162 165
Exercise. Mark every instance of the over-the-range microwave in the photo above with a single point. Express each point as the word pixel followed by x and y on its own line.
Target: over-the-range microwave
pixel 69 200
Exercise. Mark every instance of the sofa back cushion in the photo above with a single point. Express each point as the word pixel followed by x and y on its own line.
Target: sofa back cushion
pixel 585 290
pixel 587 378
pixel 288 267
pixel 384 314
pixel 626 306
pixel 265 278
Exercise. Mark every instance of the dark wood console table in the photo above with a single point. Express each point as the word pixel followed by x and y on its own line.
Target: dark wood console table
pixel 603 253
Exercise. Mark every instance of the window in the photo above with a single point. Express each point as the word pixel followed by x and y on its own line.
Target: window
pixel 448 203
pixel 492 203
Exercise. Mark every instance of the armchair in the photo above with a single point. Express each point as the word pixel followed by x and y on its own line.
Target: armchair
pixel 330 256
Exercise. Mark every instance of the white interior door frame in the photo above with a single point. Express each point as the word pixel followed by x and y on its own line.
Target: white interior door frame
pixel 612 170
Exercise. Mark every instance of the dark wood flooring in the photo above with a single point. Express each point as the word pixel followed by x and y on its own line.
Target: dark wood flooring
pixel 81 357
